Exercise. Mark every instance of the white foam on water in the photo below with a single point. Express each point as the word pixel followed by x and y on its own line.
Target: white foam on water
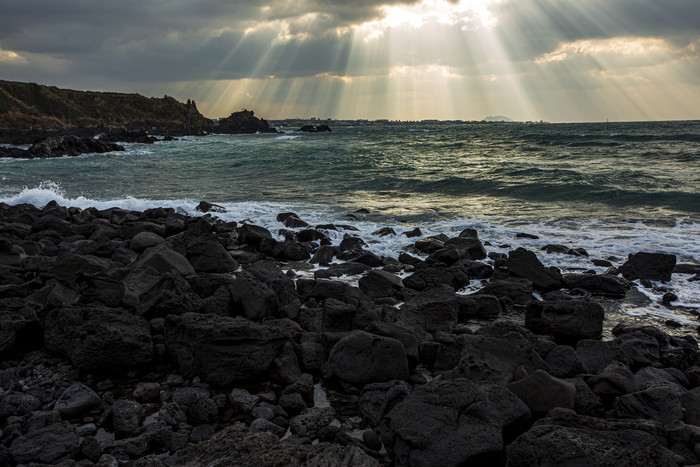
pixel 600 239
pixel 286 137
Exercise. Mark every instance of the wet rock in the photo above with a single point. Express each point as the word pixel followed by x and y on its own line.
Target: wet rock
pixel 478 307
pixel 222 350
pixel 652 266
pixel 324 255
pixel 691 406
pixel 381 284
pixel 342 269
pixel 565 320
pixel 253 235
pixel 518 291
pixel 75 400
pixel 205 206
pixel 432 277
pixel 524 264
pixel 97 338
pixel 292 403
pixel 361 358
pixel 598 284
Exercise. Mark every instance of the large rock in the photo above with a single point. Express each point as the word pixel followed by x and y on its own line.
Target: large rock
pixel 565 320
pixel 19 325
pixel 163 259
pixel 494 358
pixel 378 399
pixel 437 276
pixel 210 257
pixel 97 338
pixel 445 423
pixel 381 284
pixel 652 266
pixel 524 264
pixel 48 445
pixel 542 392
pixel 253 297
pixel 222 350
pixel 564 438
pixel 362 358
pixel 518 291
pixel 662 404
pixel 598 284
pixel 433 309
pixel 75 400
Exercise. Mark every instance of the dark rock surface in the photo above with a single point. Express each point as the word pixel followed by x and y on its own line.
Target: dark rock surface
pixel 154 338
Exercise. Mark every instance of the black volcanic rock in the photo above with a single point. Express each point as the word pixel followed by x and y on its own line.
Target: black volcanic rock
pixel 652 266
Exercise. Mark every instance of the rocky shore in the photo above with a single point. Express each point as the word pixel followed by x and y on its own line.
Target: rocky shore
pixel 158 339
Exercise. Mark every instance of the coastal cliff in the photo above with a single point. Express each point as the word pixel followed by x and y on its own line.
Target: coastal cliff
pixel 25 106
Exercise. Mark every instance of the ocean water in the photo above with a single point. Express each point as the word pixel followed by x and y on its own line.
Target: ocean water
pixel 612 189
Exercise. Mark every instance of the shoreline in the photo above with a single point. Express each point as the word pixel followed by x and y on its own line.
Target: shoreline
pixel 156 338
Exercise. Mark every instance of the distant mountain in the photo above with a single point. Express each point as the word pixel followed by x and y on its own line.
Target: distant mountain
pixel 497 118
pixel 25 105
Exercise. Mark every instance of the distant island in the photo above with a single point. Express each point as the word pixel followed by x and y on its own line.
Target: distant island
pixel 498 118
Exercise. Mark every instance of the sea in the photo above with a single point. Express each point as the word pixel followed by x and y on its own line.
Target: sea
pixel 609 188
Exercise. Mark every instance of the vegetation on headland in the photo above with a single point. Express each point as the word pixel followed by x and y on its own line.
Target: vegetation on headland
pixel 25 106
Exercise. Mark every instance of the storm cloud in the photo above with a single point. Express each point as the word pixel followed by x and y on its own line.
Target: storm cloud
pixel 154 43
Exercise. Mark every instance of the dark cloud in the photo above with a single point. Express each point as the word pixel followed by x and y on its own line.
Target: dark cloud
pixel 180 40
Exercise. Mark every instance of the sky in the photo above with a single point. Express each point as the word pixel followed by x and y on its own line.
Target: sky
pixel 551 60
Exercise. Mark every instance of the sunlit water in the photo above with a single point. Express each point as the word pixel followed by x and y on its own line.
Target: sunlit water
pixel 612 189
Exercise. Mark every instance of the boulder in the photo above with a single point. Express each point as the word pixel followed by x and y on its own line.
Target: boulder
pixel 661 403
pixel 524 264
pixel 310 421
pixel 565 320
pixel 253 235
pixel 144 240
pixel 518 291
pixel 571 439
pixel 128 416
pixel 377 399
pixel 494 358
pixel 222 350
pixel 76 400
pixel 445 423
pixel 163 259
pixel 598 284
pixel 381 284
pixel 564 362
pixel 437 276
pixel 478 307
pixel 49 445
pixel 209 256
pixel 432 309
pixel 542 392
pixel 361 358
pixel 97 338
pixel 651 266
pixel 255 299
